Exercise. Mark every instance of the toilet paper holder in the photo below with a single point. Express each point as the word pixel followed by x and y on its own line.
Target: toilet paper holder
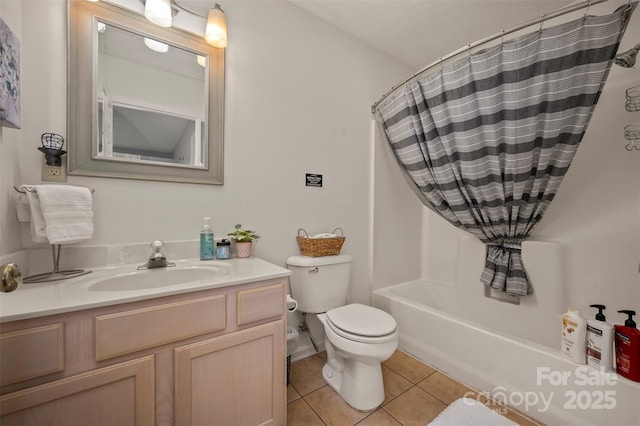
pixel 292 304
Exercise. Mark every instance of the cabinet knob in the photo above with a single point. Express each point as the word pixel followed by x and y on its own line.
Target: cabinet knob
pixel 11 277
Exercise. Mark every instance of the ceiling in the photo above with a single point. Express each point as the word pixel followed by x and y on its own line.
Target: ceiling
pixel 414 32
pixel 418 32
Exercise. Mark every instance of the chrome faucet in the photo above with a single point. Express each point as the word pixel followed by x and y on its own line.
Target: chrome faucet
pixel 156 258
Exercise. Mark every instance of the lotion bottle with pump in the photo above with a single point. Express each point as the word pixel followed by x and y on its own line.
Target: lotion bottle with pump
pixel 600 341
pixel 206 241
pixel 628 348
pixel 574 331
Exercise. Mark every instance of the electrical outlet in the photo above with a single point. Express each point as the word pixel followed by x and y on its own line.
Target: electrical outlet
pixel 54 173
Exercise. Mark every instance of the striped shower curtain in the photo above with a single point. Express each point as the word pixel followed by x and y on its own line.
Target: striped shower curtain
pixel 487 140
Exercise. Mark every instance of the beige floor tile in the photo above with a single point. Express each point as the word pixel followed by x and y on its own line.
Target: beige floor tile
pixel 306 375
pixel 408 367
pixel 292 395
pixel 332 409
pixel 379 418
pixel 415 407
pixel 394 384
pixel 444 387
pixel 312 402
pixel 299 413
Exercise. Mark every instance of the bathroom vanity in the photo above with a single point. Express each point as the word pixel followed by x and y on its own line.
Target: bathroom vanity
pixel 210 351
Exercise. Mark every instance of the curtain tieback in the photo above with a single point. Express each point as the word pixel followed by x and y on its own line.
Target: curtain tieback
pixel 511 245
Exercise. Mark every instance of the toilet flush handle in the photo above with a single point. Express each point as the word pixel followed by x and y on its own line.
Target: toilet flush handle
pixel 314 270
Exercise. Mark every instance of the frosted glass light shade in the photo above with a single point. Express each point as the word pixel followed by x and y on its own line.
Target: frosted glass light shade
pixel 156 45
pixel 216 31
pixel 158 12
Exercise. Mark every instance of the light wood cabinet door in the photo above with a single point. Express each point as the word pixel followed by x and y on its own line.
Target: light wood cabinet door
pixel 122 394
pixel 235 379
pixel 32 352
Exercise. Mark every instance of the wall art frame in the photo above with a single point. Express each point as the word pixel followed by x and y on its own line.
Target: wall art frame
pixel 10 94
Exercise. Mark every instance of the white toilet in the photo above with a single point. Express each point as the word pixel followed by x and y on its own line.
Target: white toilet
pixel 357 337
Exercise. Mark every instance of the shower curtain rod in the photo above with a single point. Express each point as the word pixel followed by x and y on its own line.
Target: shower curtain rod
pixel 501 34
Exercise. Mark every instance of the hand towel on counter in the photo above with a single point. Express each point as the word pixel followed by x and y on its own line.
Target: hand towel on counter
pixel 67 212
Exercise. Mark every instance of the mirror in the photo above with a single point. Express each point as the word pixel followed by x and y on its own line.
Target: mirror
pixel 144 102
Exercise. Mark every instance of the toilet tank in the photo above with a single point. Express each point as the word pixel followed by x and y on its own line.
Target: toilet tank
pixel 319 283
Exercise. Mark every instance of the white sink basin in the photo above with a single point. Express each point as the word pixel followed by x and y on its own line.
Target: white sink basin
pixel 159 277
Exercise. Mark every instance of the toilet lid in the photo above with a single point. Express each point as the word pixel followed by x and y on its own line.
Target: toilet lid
pixel 362 320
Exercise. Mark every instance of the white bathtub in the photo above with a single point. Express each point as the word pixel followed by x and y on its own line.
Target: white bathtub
pixel 526 374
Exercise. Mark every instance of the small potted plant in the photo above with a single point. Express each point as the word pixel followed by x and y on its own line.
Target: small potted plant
pixel 244 239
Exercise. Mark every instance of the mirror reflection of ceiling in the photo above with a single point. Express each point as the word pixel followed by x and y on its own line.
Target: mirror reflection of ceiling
pixel 157 135
pixel 128 45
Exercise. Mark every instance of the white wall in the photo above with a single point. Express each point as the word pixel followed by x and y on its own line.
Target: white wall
pixel 298 97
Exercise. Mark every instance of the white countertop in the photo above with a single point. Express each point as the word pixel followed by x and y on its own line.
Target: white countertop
pixel 40 299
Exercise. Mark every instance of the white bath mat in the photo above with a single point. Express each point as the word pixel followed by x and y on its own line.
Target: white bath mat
pixel 469 412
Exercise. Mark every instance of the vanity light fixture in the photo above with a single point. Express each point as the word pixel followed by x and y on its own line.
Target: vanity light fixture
pixel 155 45
pixel 161 12
pixel 202 61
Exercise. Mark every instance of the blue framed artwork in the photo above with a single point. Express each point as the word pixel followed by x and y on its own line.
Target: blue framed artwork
pixel 10 108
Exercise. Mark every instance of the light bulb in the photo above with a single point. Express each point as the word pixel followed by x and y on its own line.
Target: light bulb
pixel 156 45
pixel 158 12
pixel 216 31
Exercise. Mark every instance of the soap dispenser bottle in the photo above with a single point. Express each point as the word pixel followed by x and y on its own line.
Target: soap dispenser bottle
pixel 206 241
pixel 600 341
pixel 627 339
pixel 574 330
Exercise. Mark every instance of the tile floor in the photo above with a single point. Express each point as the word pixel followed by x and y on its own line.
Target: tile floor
pixel 415 394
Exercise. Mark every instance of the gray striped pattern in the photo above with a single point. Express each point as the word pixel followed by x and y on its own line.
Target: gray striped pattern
pixel 488 140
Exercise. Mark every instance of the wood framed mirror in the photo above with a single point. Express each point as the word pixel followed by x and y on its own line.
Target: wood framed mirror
pixel 144 102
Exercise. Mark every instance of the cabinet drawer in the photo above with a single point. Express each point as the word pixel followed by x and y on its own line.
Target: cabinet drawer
pixel 259 303
pixel 131 331
pixel 30 353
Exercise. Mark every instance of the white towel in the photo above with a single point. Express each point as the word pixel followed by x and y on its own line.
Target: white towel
pixel 38 227
pixel 66 212
pixel 469 412
pixel 23 210
pixel 322 236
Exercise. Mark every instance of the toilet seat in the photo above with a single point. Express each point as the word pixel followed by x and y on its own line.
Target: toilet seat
pixel 362 323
